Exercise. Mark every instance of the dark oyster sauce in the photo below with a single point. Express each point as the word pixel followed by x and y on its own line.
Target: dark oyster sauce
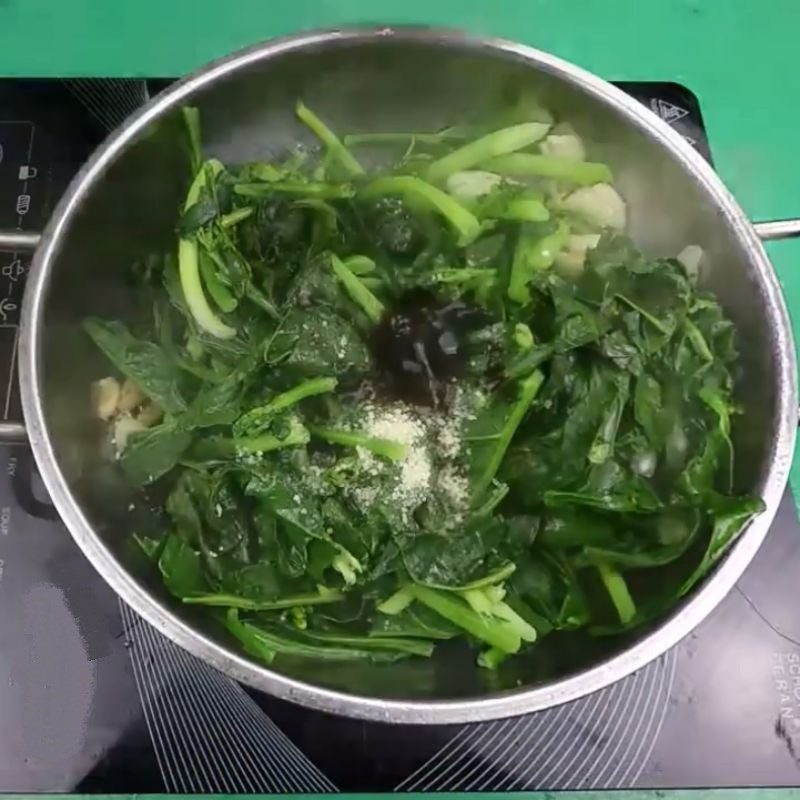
pixel 419 346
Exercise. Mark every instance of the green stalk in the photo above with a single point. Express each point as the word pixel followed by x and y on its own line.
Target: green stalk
pixel 189 267
pixel 418 193
pixel 455 610
pixel 532 254
pixel 315 189
pixel 358 292
pixel 491 658
pixel 498 143
pixel 618 592
pixel 297 436
pixel 583 173
pixel 321 597
pixel 331 141
pixel 525 209
pixel 235 217
pixel 529 387
pixel 397 602
pixel 360 265
pixel 463 274
pixel 220 293
pixel 426 137
pixel 191 118
pixel 309 388
pixel 394 451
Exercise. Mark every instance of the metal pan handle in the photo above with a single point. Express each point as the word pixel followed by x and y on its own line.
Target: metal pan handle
pixel 21 242
pixel 777 229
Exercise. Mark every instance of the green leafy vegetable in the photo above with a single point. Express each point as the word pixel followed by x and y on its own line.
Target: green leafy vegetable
pixel 188 264
pixel 355 287
pixel 490 461
pixel 446 399
pixel 420 194
pixel 150 454
pixel 331 141
pixel 144 362
pixel 498 143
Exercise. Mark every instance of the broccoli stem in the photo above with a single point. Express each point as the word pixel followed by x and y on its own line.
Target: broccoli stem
pixel 359 293
pixel 583 173
pixel 189 267
pixel 331 141
pixel 529 387
pixel 419 193
pixel 618 592
pixel 394 451
pixel 454 609
pixel 497 143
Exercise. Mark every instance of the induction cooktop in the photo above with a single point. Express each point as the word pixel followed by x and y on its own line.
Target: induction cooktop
pixel 95 700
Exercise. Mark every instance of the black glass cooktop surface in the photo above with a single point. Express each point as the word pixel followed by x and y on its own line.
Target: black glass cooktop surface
pixel 95 700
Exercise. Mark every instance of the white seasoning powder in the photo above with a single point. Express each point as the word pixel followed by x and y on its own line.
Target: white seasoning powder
pixel 454 485
pixel 449 440
pixel 432 443
pixel 400 424
pixel 396 423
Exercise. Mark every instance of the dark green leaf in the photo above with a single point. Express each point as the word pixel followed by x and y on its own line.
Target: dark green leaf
pixel 150 454
pixel 180 568
pixel 144 362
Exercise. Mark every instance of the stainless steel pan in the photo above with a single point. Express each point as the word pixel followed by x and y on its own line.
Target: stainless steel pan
pixel 122 205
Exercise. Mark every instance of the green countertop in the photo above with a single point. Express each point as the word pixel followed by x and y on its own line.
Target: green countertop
pixel 739 57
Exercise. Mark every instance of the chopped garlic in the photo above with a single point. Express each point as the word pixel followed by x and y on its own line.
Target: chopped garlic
pixel 105 396
pixel 564 145
pixel 130 396
pixel 599 205
pixel 149 415
pixel 571 261
pixel 124 426
pixel 692 258
pixel 472 184
pixel 581 242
